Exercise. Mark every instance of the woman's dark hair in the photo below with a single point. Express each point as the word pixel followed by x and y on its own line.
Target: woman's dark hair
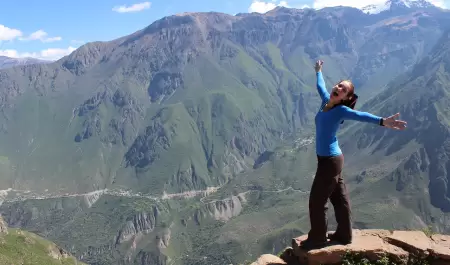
pixel 351 101
pixel 352 97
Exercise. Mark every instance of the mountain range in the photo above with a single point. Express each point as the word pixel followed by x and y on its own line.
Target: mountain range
pixel 191 141
pixel 6 62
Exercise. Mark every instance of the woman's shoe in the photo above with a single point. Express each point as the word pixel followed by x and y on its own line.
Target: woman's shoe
pixel 334 238
pixel 308 245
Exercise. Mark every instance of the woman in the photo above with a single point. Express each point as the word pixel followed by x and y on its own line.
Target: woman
pixel 328 182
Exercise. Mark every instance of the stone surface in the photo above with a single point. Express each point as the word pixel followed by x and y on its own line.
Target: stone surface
pixel 373 244
pixel 369 243
pixel 372 232
pixel 413 241
pixel 441 247
pixel 268 259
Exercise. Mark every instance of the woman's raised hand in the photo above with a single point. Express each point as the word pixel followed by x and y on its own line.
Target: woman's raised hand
pixel 393 123
pixel 318 66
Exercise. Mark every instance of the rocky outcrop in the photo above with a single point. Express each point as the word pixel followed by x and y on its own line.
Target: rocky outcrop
pixel 57 252
pixel 3 226
pixel 220 210
pixel 139 223
pixel 226 209
pixel 163 241
pixel 400 247
pixel 150 258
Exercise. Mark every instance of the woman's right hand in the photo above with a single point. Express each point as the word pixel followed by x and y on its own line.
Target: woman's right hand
pixel 318 66
pixel 393 123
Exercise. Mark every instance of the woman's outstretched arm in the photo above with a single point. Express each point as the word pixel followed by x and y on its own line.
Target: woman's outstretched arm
pixel 390 122
pixel 350 114
pixel 321 87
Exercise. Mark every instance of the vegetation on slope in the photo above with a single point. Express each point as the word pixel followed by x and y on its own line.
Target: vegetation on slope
pixel 21 247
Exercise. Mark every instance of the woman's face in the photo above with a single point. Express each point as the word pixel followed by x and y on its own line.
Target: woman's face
pixel 340 91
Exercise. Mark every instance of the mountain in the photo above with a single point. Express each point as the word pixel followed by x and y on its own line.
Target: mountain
pixel 190 141
pixel 139 112
pixel 6 62
pixel 27 248
pixel 399 6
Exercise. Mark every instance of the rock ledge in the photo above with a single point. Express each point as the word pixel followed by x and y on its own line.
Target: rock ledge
pixel 402 247
pixel 3 226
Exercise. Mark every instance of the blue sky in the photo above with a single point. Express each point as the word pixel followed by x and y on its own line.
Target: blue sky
pixel 50 29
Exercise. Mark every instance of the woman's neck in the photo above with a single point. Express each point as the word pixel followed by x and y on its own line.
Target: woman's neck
pixel 331 103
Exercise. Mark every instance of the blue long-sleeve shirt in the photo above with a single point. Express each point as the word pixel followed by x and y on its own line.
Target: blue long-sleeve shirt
pixel 327 123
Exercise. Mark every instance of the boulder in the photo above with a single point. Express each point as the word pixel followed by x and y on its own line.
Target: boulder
pixel 368 243
pixel 268 259
pixel 413 241
pixel 441 247
pixel 373 244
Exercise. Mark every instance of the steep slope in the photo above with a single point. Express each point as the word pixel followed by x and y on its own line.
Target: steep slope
pixel 21 247
pixel 144 107
pixel 6 62
pixel 392 48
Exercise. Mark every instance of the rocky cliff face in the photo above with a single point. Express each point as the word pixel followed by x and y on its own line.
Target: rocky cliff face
pixel 138 223
pixel 221 210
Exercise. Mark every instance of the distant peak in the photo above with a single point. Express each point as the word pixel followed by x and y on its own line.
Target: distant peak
pixel 286 10
pixel 396 4
pixel 6 62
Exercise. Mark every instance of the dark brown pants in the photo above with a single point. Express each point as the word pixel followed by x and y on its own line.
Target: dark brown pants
pixel 329 184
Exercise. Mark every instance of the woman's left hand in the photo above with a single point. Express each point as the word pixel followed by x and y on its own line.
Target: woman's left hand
pixel 393 123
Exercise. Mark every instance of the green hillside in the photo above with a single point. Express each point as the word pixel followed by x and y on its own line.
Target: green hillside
pixel 21 247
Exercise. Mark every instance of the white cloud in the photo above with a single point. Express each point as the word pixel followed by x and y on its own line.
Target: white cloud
pixel 42 36
pixel 77 41
pixel 438 3
pixel 47 54
pixel 318 4
pixel 133 8
pixel 8 33
pixel 263 7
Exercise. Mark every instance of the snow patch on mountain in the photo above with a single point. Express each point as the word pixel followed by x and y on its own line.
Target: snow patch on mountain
pixel 392 4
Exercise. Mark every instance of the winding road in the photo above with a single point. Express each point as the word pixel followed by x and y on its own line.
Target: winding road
pixel 23 195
